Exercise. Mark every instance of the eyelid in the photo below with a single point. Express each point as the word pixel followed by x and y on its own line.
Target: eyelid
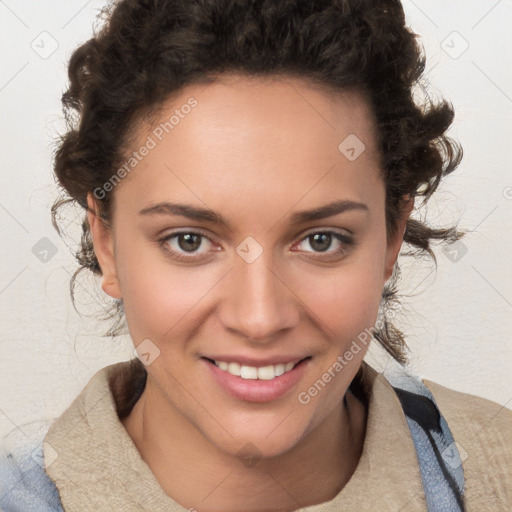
pixel 347 242
pixel 179 231
pixel 200 231
pixel 182 255
pixel 338 231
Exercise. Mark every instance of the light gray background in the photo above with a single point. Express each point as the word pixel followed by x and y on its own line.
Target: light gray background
pixel 458 323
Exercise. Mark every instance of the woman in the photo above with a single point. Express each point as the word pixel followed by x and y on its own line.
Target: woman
pixel 248 172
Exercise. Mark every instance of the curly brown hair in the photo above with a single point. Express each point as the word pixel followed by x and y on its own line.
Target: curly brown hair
pixel 147 50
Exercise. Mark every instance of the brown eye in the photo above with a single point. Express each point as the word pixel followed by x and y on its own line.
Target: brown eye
pixel 186 245
pixel 189 241
pixel 320 241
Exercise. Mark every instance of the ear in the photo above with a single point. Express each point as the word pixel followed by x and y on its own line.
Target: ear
pixel 394 245
pixel 104 249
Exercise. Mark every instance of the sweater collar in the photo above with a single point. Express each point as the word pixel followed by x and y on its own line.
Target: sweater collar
pixel 96 466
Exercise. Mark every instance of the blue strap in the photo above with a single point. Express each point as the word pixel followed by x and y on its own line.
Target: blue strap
pixel 24 484
pixel 440 462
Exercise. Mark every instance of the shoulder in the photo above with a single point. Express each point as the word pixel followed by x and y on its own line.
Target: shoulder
pixel 25 486
pixel 482 430
pixel 471 415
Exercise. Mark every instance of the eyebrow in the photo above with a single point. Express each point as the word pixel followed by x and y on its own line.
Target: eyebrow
pixel 207 215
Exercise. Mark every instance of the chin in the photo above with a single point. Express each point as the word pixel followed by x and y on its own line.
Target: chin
pixel 262 441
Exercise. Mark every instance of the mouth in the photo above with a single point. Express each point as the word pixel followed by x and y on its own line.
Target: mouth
pixel 267 372
pixel 262 383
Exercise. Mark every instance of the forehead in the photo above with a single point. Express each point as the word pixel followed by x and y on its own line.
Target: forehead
pixel 249 136
pixel 265 104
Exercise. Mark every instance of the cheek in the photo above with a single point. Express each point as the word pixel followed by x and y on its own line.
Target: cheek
pixel 345 300
pixel 160 297
pixel 157 295
pixel 157 305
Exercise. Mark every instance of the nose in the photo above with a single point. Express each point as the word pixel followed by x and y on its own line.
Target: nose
pixel 259 305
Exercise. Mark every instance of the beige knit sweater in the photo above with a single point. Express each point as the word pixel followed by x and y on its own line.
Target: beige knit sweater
pixel 98 468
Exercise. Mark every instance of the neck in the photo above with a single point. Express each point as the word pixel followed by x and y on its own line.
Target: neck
pixel 195 473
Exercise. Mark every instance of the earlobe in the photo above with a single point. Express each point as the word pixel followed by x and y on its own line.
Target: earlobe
pixel 111 287
pixel 104 250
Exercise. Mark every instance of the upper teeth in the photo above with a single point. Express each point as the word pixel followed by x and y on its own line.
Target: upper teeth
pixel 251 372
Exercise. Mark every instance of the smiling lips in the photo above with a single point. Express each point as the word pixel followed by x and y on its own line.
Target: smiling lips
pixel 253 380
pixel 268 372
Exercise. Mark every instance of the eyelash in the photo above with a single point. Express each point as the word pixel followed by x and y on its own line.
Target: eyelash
pixel 346 242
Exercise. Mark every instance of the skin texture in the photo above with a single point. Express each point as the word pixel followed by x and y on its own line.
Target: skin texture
pixel 255 151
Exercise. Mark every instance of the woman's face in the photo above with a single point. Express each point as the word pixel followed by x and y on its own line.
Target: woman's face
pixel 260 290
